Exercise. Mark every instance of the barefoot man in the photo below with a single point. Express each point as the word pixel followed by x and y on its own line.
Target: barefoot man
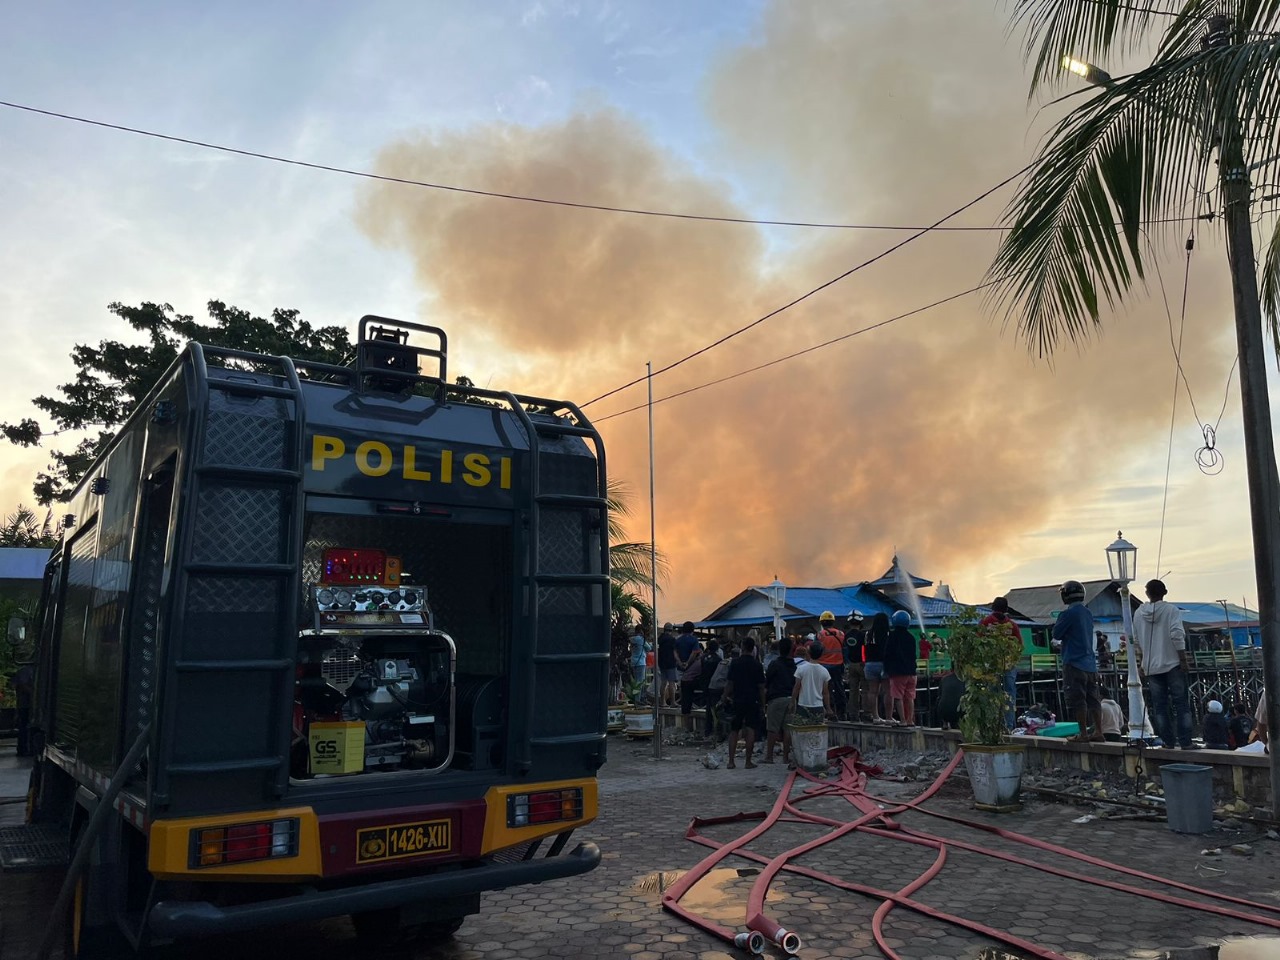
pixel 1074 631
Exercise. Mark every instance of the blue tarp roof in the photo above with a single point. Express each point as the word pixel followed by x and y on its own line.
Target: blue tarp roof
pixel 809 602
pixel 23 563
pixel 1213 613
pixel 814 600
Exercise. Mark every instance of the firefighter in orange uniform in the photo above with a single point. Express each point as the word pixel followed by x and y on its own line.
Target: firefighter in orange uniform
pixel 832 640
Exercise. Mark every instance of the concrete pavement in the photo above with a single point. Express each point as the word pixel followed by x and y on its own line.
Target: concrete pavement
pixel 645 809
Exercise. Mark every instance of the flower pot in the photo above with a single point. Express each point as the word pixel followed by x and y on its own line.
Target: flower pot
pixel 617 718
pixel 639 721
pixel 995 774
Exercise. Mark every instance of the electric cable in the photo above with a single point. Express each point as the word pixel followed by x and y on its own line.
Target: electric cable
pixel 801 353
pixel 494 194
pixel 818 289
pixel 476 191
pixel 1158 11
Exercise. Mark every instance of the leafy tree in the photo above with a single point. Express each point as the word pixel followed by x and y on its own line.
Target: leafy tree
pixel 1202 120
pixel 629 561
pixel 112 378
pixel 22 529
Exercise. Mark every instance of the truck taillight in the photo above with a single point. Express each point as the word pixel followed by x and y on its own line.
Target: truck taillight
pixel 243 842
pixel 548 806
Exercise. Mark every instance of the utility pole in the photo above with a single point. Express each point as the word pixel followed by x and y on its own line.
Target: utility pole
pixel 1259 445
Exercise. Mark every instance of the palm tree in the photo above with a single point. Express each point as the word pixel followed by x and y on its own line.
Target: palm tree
pixel 1141 150
pixel 630 566
pixel 21 529
pixel 629 561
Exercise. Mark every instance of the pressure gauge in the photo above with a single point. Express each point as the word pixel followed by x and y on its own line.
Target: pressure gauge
pixel 324 596
pixel 342 597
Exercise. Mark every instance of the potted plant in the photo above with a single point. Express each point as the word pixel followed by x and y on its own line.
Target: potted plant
pixel 981 656
pixel 638 716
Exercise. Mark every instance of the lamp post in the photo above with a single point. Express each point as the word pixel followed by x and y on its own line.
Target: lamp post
pixel 1259 440
pixel 1231 646
pixel 1122 562
pixel 777 594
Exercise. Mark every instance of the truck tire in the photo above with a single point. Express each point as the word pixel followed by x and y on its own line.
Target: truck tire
pixel 382 928
pixel 85 941
pixel 440 929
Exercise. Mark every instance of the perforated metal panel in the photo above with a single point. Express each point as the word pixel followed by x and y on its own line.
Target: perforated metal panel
pixel 33 847
pixel 562 541
pixel 229 618
pixel 570 698
pixel 571 620
pixel 143 677
pixel 246 433
pixel 566 474
pixel 340 669
pixel 239 524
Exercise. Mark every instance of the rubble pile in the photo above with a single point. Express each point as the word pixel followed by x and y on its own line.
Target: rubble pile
pixel 1114 791
pixel 909 764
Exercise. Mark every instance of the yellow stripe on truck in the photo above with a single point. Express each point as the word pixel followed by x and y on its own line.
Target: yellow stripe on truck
pixel 499 836
pixel 169 848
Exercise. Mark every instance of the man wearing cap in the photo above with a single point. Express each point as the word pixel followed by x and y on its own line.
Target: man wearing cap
pixel 1214 727
pixel 1162 659
pixel 854 672
pixel 832 640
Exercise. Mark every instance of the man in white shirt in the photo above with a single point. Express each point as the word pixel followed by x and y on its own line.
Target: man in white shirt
pixel 1112 720
pixel 812 692
pixel 1162 658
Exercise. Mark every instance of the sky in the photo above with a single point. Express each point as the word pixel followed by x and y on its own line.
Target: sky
pixel 937 436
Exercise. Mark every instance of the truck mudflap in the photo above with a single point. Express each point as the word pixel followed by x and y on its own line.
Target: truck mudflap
pixel 175 919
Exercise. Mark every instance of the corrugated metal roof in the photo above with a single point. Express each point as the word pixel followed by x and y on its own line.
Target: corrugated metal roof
pixel 1041 603
pixel 750 621
pixel 814 600
pixel 1211 613
pixel 23 563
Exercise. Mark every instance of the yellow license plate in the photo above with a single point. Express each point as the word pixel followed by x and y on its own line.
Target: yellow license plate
pixel 404 840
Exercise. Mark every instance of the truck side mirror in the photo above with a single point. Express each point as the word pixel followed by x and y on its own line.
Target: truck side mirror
pixel 17 630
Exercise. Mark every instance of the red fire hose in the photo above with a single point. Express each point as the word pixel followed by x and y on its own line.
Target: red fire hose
pixel 849 785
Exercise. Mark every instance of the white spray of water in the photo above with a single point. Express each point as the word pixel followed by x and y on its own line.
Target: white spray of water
pixel 907 591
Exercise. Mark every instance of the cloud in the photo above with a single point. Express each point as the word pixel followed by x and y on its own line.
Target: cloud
pixel 936 435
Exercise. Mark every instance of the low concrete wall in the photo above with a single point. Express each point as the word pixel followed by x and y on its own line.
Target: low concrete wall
pixel 1245 775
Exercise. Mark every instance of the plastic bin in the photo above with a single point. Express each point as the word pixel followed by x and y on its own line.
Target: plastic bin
pixel 1188 794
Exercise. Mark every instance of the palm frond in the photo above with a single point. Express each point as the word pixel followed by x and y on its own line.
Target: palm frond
pixel 1132 153
pixel 1098 29
pixel 631 564
pixel 1269 292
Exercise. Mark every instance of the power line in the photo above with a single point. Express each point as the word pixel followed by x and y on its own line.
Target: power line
pixel 818 289
pixel 801 353
pixel 1158 11
pixel 474 191
pixel 498 195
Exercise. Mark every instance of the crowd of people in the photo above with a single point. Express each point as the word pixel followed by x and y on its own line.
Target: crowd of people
pixel 752 690
pixel 867 672
pixel 1160 650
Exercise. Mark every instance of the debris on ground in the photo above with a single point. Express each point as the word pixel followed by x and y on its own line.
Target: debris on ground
pixel 909 765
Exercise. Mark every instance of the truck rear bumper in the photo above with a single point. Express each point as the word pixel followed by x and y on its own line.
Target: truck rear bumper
pixel 175 919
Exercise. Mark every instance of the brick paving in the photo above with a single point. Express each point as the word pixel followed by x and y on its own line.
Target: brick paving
pixel 645 809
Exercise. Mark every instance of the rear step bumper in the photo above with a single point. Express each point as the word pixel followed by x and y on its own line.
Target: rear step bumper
pixel 173 919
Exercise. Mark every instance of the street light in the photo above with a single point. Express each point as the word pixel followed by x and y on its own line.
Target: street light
pixel 1122 562
pixel 1231 646
pixel 1088 72
pixel 777 594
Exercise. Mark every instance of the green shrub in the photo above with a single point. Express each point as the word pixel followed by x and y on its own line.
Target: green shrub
pixel 981 657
